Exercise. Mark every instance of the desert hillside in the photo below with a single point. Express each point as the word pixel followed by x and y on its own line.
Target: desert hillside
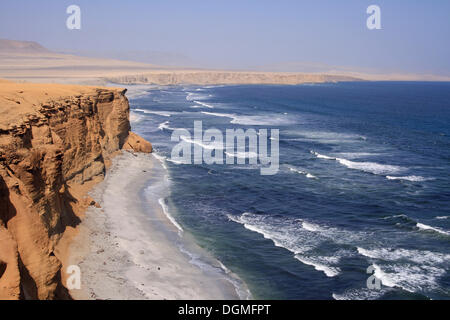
pixel 24 47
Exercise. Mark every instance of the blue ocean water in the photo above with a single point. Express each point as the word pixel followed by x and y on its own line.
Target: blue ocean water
pixel 364 181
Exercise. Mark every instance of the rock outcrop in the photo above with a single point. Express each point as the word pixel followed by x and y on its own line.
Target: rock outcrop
pixel 55 143
pixel 136 143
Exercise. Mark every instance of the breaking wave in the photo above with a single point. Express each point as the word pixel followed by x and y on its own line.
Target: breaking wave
pixel 307 174
pixel 425 227
pixel 268 120
pixel 165 209
pixel 408 178
pixel 299 237
pixel 370 167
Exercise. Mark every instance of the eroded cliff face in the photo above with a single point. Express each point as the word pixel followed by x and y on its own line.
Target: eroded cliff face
pixel 50 154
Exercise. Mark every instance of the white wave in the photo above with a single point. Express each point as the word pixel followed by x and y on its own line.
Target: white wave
pixel 324 137
pixel 360 294
pixel 213 145
pixel 204 104
pixel 240 288
pixel 429 228
pixel 397 216
pixel 280 236
pixel 371 167
pixel 292 235
pixel 168 215
pixel 191 96
pixel 356 155
pixel 329 271
pixel 442 217
pixel 408 178
pixel 159 113
pixel 253 120
pixel 411 270
pixel 177 161
pixel 266 120
pixel 366 253
pixel 409 277
pixel 225 115
pixel 417 256
pixel 161 159
pixel 311 227
pixel 321 156
pixel 215 86
pixel 307 174
pixel 242 155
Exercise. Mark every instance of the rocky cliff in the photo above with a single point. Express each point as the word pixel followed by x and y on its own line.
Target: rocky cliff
pixel 55 143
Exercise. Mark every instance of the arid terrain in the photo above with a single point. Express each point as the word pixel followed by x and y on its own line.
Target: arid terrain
pixel 29 61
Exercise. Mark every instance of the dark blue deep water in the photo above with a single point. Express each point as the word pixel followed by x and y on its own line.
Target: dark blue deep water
pixel 364 180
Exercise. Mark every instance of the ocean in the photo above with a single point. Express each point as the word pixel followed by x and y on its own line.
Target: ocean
pixel 360 206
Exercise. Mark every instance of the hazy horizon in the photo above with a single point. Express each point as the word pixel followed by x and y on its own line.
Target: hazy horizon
pixel 278 36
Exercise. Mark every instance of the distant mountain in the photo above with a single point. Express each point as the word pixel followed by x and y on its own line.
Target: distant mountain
pixel 13 46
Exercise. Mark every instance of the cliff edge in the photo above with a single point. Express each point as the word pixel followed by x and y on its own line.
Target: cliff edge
pixel 56 142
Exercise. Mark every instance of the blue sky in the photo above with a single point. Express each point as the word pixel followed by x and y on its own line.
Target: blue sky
pixel 242 34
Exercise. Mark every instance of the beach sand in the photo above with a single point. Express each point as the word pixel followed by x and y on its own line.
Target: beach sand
pixel 130 249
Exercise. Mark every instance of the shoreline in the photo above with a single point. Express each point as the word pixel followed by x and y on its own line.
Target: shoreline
pixel 132 247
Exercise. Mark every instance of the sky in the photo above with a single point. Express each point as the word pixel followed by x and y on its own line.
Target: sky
pixel 243 34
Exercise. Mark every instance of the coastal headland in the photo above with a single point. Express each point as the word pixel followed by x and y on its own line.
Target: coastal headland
pixel 56 142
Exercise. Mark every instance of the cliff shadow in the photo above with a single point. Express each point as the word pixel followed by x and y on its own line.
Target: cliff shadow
pixel 7 209
pixel 28 287
pixel 68 217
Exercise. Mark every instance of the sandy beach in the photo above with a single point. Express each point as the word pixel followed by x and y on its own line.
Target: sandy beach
pixel 130 249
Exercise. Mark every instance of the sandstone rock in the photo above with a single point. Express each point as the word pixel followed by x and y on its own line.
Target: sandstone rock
pixel 135 143
pixel 53 146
